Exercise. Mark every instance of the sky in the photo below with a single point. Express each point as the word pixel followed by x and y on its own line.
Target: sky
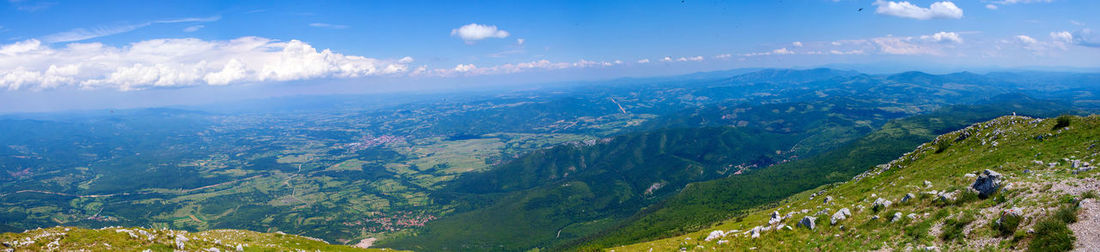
pixel 57 55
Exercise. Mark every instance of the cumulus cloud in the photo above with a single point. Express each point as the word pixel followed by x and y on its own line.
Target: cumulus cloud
pixel 903 46
pixel 943 37
pixel 667 59
pixel 1083 37
pixel 1063 36
pixel 32 64
pixel 474 32
pixel 643 61
pixel 797 44
pixel 723 56
pixel 991 6
pixel 945 9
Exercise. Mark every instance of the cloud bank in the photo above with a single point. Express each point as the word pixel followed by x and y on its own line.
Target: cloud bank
pixel 32 64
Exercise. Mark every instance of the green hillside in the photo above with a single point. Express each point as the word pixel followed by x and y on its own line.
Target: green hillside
pixel 138 239
pixel 703 203
pixel 1045 184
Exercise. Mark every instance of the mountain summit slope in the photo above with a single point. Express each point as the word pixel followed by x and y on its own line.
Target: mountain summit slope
pixel 1012 183
pixel 138 239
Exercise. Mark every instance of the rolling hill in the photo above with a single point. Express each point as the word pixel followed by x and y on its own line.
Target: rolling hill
pixel 1011 183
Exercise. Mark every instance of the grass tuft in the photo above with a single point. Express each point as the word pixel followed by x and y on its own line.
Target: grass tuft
pixel 1052 235
pixel 953 228
pixel 1007 225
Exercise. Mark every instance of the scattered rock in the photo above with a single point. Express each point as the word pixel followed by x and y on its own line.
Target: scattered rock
pixel 808 222
pixel 987 183
pixel 897 217
pixel 927 183
pixel 715 235
pixel 840 215
pixel 776 218
pixel 908 196
pixel 828 199
pixel 1009 213
pixel 946 197
pixel 880 204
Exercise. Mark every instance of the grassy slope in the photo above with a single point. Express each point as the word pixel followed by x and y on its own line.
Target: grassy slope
pixel 1016 149
pixel 701 204
pixel 120 239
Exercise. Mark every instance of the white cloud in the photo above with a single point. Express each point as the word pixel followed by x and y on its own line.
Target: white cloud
pixel 780 51
pixel 1063 36
pixel 1026 39
pixel 328 26
pixel 850 52
pixel 32 64
pixel 465 68
pixel 474 32
pixel 797 44
pixel 943 37
pixel 79 34
pixel 991 6
pixel 667 59
pixel 945 9
pixel 193 28
pixel 520 41
pixel 643 61
pixel 471 70
pixel 903 46
pixel 723 56
pixel 1083 37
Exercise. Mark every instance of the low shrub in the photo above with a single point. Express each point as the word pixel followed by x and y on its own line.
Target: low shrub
pixel 1061 122
pixel 1007 225
pixel 1052 235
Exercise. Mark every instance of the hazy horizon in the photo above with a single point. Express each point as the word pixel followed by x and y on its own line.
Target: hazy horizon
pixel 130 54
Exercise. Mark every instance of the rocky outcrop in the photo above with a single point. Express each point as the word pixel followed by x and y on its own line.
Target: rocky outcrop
pixel 880 204
pixel 808 222
pixel 840 215
pixel 987 183
pixel 776 218
pixel 714 235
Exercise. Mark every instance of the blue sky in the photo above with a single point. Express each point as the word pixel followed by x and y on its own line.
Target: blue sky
pixel 86 48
